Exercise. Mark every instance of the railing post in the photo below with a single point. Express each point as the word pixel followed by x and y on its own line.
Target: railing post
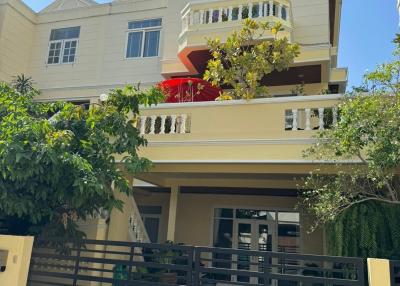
pixel 153 124
pixel 271 8
pixel 77 261
pixel 240 16
pixel 308 118
pixel 260 9
pixel 143 124
pixel 220 14
pixel 182 128
pixel 321 118
pixel 162 127
pixel 266 269
pixel 295 123
pixel 196 274
pixel 131 256
pixel 210 15
pixel 334 115
pixel 190 272
pixel 250 7
pixel 191 18
pixel 173 123
pixel 279 11
pixel 201 16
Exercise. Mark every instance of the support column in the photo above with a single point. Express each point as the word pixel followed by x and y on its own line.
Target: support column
pixel 173 206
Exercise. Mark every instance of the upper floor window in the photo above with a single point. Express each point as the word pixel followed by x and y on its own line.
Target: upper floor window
pixel 143 38
pixel 63 45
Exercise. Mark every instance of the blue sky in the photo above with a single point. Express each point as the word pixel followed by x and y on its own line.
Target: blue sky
pixel 368 27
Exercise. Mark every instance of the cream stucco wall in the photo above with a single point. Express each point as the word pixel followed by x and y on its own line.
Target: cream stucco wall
pixel 16 37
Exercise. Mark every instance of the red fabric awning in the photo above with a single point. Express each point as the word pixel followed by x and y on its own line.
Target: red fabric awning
pixel 189 90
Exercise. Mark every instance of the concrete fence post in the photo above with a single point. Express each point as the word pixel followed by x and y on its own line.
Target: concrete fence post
pixel 378 272
pixel 16 252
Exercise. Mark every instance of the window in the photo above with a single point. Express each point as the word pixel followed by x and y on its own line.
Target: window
pixel 143 38
pixel 151 216
pixel 63 45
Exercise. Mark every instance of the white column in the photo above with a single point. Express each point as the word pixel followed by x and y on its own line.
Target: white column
pixel 143 124
pixel 260 9
pixel 210 14
pixel 271 8
pixel 201 16
pixel 173 123
pixel 153 124
pixel 220 14
pixel 182 128
pixel 295 120
pixel 173 207
pixel 191 18
pixel 308 118
pixel 162 128
pixel 230 13
pixel 250 10
pixel 321 117
pixel 240 12
pixel 279 11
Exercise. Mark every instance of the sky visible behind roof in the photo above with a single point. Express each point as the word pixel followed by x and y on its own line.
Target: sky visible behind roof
pixel 367 29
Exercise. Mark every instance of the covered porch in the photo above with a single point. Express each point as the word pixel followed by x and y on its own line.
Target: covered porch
pixel 240 205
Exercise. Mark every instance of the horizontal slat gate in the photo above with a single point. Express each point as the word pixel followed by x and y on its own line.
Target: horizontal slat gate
pixel 62 263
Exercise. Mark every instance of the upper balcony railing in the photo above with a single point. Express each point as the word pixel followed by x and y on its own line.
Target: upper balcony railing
pixel 212 12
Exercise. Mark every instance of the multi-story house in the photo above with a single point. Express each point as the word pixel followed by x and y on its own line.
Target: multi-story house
pixel 225 173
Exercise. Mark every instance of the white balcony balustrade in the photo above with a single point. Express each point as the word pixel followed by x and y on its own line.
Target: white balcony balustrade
pixel 164 124
pixel 226 11
pixel 310 118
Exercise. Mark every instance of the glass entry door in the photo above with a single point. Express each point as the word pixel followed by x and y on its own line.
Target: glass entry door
pixel 252 235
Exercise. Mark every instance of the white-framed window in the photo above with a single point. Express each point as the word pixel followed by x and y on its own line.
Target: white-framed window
pixel 143 38
pixel 63 45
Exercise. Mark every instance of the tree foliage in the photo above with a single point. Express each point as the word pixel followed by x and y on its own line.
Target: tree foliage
pixel 247 57
pixel 57 161
pixel 371 229
pixel 22 84
pixel 367 134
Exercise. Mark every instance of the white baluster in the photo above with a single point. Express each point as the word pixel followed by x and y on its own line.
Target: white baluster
pixel 143 124
pixel 183 124
pixel 260 9
pixel 162 128
pixel 250 10
pixel 308 118
pixel 334 115
pixel 230 13
pixel 191 18
pixel 265 9
pixel 153 124
pixel 279 11
pixel 210 15
pixel 201 16
pixel 321 117
pixel 220 15
pixel 173 123
pixel 240 12
pixel 295 120
pixel 271 8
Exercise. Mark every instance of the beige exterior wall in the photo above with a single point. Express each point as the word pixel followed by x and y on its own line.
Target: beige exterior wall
pixel 101 65
pixel 195 213
pixel 16 37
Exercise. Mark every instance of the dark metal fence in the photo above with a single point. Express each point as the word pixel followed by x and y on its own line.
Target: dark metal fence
pixel 76 263
pixel 395 272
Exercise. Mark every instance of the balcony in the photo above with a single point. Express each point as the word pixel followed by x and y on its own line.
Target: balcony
pixel 217 19
pixel 268 129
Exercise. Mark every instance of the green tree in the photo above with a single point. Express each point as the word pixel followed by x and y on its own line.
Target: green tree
pixel 58 169
pixel 247 57
pixel 365 146
pixel 22 84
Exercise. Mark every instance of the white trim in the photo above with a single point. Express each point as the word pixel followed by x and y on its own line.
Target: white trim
pixel 271 100
pixel 224 142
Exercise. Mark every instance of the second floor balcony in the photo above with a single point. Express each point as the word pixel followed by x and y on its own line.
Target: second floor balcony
pixel 217 19
pixel 269 129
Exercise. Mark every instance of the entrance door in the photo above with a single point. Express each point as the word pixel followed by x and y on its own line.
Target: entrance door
pixel 252 235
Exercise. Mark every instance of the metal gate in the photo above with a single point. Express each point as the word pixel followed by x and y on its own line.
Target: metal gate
pixel 76 263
